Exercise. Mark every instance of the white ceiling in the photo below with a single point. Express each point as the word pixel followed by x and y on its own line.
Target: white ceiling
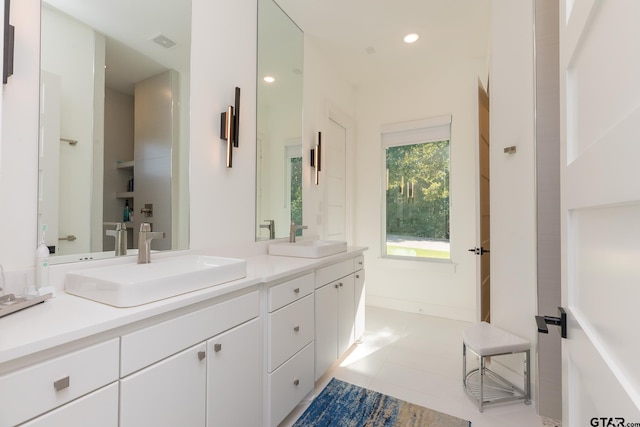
pixel 129 27
pixel 345 29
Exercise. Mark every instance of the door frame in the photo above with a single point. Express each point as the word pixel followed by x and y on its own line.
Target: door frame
pixel 478 239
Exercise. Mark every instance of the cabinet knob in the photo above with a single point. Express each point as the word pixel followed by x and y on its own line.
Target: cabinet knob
pixel 341 284
pixel 201 355
pixel 357 276
pixel 217 347
pixel 61 384
pixel 296 290
pixel 336 285
pixel 360 262
pixel 296 382
pixel 296 328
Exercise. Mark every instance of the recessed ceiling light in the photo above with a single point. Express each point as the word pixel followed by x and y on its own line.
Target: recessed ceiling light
pixel 411 38
pixel 269 79
pixel 164 41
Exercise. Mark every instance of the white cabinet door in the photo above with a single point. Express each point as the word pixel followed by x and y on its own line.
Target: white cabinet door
pixel 358 328
pixel 169 393
pixel 326 339
pixel 346 313
pixel 233 377
pixel 97 409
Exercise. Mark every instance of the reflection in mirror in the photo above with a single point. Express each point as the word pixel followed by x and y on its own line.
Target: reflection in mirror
pixel 279 123
pixel 114 125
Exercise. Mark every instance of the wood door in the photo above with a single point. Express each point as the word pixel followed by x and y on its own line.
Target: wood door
pixel 484 204
pixel 600 210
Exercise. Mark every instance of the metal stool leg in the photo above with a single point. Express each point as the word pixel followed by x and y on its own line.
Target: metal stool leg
pixel 464 365
pixel 481 401
pixel 527 378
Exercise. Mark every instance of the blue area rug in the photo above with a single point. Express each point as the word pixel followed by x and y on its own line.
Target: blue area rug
pixel 344 404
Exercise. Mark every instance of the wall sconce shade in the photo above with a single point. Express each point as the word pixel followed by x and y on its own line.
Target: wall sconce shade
pixel 9 34
pixel 316 156
pixel 229 127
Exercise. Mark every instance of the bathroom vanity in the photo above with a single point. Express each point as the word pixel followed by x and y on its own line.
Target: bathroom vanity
pixel 245 352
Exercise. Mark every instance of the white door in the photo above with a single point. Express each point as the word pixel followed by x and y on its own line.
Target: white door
pixel 169 393
pixel 600 169
pixel 335 167
pixel 233 377
pixel 326 336
pixel 346 313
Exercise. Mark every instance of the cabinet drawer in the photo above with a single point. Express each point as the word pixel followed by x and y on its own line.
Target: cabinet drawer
pixel 39 388
pixel 290 329
pixel 289 384
pixel 290 291
pixel 358 263
pixel 98 409
pixel 333 272
pixel 146 346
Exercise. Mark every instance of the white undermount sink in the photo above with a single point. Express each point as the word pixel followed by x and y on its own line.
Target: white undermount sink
pixel 308 248
pixel 128 285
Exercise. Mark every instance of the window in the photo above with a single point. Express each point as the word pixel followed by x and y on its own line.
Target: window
pixel 417 199
pixel 293 164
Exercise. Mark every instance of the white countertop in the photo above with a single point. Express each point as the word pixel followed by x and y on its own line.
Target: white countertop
pixel 67 318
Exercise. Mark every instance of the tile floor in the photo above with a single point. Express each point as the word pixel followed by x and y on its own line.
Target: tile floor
pixel 418 359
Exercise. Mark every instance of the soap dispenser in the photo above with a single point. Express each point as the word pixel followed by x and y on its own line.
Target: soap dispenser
pixel 42 262
pixel 126 214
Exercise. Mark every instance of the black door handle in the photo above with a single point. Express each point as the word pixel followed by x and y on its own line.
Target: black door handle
pixel 543 321
pixel 479 251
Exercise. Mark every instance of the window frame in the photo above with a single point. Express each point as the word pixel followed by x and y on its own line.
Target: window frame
pixel 412 133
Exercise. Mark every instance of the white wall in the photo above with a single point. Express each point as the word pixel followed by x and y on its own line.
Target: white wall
pixel 223 56
pixel 19 169
pixel 434 288
pixel 325 94
pixel 69 51
pixel 513 205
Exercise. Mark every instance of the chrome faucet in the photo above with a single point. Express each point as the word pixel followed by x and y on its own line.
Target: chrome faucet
pixel 120 234
pixel 144 242
pixel 293 229
pixel 271 226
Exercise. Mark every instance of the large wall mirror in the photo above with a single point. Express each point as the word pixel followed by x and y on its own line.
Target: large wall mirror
pixel 114 124
pixel 279 122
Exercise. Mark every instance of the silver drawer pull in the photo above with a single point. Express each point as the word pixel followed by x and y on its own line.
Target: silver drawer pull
pixel 297 328
pixel 296 382
pixel 296 290
pixel 217 347
pixel 201 355
pixel 61 384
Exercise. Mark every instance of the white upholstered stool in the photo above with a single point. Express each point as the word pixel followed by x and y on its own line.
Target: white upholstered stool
pixel 483 385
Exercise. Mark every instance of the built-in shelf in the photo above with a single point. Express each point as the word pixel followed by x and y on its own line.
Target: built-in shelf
pixel 125 195
pixel 125 165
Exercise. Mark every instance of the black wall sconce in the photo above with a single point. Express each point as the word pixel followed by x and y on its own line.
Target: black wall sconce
pixel 316 157
pixel 230 126
pixel 9 34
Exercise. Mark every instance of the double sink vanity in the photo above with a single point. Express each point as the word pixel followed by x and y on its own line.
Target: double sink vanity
pixel 191 339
